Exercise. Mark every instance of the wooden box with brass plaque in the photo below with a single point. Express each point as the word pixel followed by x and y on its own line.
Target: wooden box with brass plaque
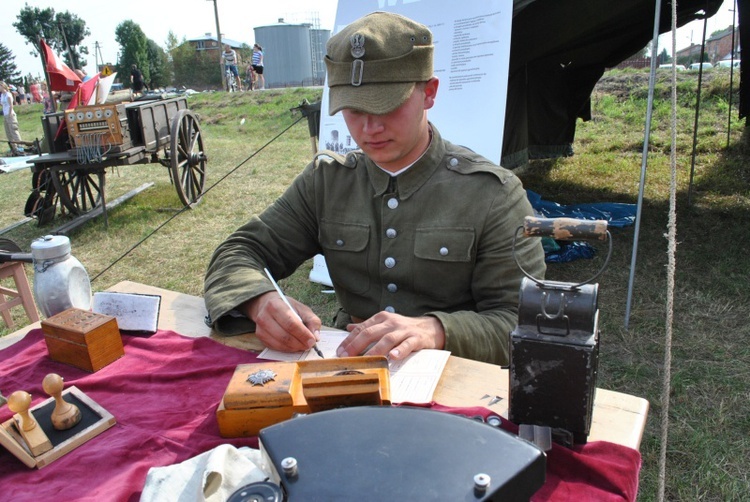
pixel 83 339
pixel 263 394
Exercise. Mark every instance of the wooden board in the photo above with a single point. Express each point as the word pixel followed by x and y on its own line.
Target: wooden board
pixel 12 441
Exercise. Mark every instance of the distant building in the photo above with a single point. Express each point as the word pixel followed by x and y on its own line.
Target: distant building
pixel 205 70
pixel 293 53
pixel 689 54
pixel 718 47
pixel 209 42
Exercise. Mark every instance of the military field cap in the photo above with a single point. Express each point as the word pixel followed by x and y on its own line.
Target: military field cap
pixel 374 62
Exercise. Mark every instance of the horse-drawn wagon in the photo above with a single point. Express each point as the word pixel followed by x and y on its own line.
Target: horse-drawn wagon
pixel 85 141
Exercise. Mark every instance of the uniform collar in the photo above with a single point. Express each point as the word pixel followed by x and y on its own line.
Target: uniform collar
pixel 414 177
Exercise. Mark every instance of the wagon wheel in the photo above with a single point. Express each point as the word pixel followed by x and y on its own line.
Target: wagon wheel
pixel 42 201
pixel 80 190
pixel 188 166
pixel 8 246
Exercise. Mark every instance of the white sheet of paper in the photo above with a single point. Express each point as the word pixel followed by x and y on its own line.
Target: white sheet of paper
pixel 413 379
pixel 329 342
pixel 134 312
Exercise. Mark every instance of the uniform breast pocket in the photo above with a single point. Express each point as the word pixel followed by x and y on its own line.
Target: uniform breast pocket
pixel 444 261
pixel 346 250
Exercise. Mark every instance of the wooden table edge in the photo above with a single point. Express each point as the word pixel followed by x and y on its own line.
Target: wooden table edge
pixel 618 417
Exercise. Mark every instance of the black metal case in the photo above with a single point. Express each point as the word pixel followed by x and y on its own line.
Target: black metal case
pixel 399 453
pixel 554 358
pixel 554 349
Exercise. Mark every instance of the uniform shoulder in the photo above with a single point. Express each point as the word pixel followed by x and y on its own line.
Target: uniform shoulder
pixel 463 160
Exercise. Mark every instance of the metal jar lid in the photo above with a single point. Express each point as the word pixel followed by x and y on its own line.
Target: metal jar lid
pixel 50 247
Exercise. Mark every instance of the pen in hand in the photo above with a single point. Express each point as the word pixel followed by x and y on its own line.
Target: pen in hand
pixel 284 298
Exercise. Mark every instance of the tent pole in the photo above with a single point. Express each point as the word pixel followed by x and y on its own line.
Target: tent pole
pixel 731 73
pixel 644 158
pixel 697 110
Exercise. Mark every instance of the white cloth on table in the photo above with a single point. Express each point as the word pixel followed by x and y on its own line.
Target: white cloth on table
pixel 212 476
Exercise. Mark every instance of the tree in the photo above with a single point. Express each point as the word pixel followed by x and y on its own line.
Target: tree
pixel 182 56
pixel 133 50
pixel 63 31
pixel 172 41
pixel 194 68
pixel 74 31
pixel 664 57
pixel 158 66
pixel 8 70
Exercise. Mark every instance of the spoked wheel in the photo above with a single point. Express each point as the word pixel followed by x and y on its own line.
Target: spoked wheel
pixel 8 246
pixel 188 159
pixel 42 201
pixel 80 190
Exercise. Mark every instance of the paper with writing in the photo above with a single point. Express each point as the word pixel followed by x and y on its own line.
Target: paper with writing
pixel 413 379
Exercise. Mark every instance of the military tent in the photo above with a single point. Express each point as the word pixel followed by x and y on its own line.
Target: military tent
pixel 560 49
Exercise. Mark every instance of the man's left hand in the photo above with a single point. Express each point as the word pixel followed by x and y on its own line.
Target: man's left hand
pixel 392 335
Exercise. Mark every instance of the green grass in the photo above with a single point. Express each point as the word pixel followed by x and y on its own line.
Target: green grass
pixel 710 395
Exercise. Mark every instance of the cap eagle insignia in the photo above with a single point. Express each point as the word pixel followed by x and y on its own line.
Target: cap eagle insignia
pixel 358 45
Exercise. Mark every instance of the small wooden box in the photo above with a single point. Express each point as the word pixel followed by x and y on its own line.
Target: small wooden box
pixel 83 339
pixel 263 394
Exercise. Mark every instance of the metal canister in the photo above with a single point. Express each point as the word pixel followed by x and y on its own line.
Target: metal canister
pixel 60 281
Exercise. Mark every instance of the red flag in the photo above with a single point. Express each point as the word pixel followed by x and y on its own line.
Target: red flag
pixel 61 77
pixel 84 92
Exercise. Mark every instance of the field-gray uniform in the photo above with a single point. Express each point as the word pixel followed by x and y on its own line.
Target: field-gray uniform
pixel 435 240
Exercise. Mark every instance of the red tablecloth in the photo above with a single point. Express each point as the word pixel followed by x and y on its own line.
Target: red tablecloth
pixel 163 394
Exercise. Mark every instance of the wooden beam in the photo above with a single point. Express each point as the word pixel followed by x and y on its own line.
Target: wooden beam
pixel 68 227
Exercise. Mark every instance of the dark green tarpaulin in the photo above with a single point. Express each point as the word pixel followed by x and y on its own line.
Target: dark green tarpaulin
pixel 560 49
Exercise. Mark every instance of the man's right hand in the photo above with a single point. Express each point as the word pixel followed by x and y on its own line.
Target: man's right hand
pixel 276 325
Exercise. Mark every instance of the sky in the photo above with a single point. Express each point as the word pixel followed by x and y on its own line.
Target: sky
pixel 185 18
pixel 237 18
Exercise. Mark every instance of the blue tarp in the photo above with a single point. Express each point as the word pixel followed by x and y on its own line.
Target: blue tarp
pixel 614 213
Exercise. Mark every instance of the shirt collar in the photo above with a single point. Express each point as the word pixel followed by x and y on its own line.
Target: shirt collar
pixel 413 178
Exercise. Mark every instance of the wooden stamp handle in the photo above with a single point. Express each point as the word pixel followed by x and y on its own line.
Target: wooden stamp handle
pixel 565 229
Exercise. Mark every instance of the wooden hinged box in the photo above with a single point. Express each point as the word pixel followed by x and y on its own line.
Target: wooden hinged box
pixel 263 394
pixel 83 339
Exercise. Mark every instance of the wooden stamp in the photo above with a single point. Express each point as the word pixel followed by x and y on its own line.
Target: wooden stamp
pixel 65 415
pixel 33 435
pixel 25 444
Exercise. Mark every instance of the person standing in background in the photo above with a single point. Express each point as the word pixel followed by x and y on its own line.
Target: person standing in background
pixel 250 77
pixel 36 92
pixel 231 60
pixel 47 99
pixel 258 65
pixel 10 121
pixel 136 80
